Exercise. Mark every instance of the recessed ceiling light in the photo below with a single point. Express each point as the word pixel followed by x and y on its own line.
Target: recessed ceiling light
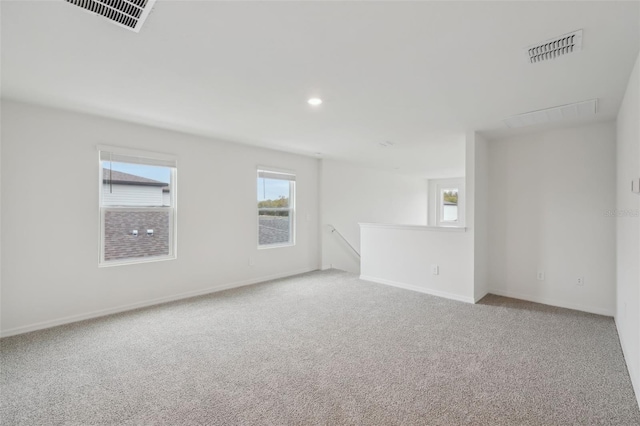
pixel 315 101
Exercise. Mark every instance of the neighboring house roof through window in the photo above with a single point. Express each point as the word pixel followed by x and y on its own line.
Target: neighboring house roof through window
pixel 122 178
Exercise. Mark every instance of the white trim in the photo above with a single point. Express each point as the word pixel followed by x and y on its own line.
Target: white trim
pixel 270 174
pixel 274 246
pixel 635 378
pixel 412 287
pixel 414 227
pixel 261 168
pixel 135 261
pixel 552 302
pixel 110 311
pixel 138 153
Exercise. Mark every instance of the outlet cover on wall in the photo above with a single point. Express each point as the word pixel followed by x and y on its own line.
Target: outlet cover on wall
pixel 580 281
pixel 435 270
pixel 540 276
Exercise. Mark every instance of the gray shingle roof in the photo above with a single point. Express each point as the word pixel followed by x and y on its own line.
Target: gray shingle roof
pixel 122 178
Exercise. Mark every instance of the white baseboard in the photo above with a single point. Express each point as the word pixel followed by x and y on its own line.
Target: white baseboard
pixel 634 375
pixel 552 302
pixel 411 287
pixel 143 304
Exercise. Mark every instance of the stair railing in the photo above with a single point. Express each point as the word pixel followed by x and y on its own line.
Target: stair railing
pixel 334 230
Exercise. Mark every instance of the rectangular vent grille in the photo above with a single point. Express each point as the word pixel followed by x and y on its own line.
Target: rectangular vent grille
pixel 551 115
pixel 130 14
pixel 555 47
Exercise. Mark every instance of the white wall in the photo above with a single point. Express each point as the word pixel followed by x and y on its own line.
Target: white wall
pixel 1 298
pixel 628 228
pixel 549 194
pixel 50 268
pixel 351 194
pixel 402 256
pixel 479 217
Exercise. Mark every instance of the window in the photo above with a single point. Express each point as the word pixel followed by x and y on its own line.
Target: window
pixel 447 202
pixel 449 205
pixel 137 206
pixel 276 207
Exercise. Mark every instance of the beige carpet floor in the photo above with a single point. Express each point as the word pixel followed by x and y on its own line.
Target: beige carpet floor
pixel 323 348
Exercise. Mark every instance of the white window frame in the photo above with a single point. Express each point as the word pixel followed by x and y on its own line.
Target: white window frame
pixel 291 209
pixel 437 186
pixel 142 157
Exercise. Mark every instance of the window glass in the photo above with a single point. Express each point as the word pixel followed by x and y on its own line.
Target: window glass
pixel 449 204
pixel 276 223
pixel 137 210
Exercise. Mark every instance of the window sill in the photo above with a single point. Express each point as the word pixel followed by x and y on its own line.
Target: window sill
pixel 273 246
pixel 135 261
pixel 414 227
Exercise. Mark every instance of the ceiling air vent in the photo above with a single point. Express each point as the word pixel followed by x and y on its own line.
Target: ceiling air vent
pixel 555 47
pixel 130 14
pixel 550 115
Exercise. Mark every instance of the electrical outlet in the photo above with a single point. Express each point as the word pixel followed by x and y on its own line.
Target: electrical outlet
pixel 580 281
pixel 252 261
pixel 435 270
pixel 540 276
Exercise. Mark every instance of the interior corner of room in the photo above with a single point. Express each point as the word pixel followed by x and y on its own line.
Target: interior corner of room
pixel 382 177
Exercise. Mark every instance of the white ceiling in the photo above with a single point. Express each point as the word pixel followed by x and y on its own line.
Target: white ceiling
pixel 419 74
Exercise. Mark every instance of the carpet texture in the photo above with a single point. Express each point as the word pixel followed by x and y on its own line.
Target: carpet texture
pixel 323 348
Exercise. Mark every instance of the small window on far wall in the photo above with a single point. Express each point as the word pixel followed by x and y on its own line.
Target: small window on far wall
pixel 137 206
pixel 449 205
pixel 276 208
pixel 447 202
